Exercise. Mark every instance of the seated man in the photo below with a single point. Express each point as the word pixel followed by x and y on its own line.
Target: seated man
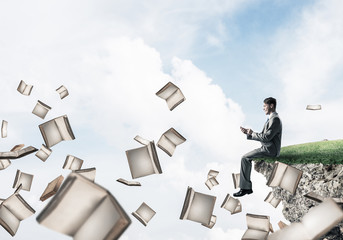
pixel 270 138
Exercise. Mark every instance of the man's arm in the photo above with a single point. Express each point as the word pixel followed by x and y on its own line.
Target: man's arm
pixel 272 130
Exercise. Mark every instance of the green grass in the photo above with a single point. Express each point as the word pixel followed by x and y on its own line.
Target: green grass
pixel 325 152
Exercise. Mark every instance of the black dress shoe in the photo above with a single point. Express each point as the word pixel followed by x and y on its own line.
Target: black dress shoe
pixel 242 192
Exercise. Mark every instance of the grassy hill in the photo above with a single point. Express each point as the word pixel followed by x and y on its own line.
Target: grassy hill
pixel 326 152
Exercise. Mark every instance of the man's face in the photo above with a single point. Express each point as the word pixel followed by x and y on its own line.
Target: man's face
pixel 267 108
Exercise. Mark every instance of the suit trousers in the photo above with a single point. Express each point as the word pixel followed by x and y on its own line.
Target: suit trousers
pixel 244 181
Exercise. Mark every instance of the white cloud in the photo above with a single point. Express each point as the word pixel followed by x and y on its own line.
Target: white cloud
pixel 307 57
pixel 230 234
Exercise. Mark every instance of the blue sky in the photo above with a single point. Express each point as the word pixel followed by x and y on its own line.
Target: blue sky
pixel 113 56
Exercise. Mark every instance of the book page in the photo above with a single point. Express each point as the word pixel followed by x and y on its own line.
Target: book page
pixel 167 90
pixel 187 203
pixel 4 163
pixel 277 174
pixel 52 188
pixel 175 137
pixel 231 204
pixel 141 140
pixel 100 222
pixel 154 157
pixel 23 178
pixel 145 212
pixel 212 173
pixel 258 222
pixel 8 220
pixel 24 88
pixel 201 208
pixel 41 109
pixel 140 162
pixel 175 99
pixel 72 205
pixel 72 163
pixel 255 234
pixel 291 179
pixel 129 183
pixel 18 206
pixel 64 128
pixel 166 145
pixel 293 232
pixel 88 173
pixel 322 218
pixel 4 128
pixel 63 92
pixel 43 153
pixel 212 222
pixel 236 179
pixel 50 133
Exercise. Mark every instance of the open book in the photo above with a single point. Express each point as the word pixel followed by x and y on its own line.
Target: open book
pixel 4 125
pixel 212 222
pixel 284 176
pixel 236 179
pixel 258 227
pixel 318 221
pixel 17 152
pixel 313 107
pixel 56 130
pixel 43 153
pixel 272 200
pixel 23 178
pixel 88 173
pixel 52 188
pixel 172 94
pixel 316 197
pixel 143 161
pixel 85 211
pixel 169 140
pixel 41 109
pixel 62 90
pixel 128 183
pixel 144 214
pixel 4 163
pixel 24 88
pixel 232 204
pixel 211 179
pixel 72 163
pixel 13 210
pixel 198 207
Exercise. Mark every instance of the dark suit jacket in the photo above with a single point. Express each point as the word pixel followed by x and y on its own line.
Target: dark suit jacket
pixel 270 137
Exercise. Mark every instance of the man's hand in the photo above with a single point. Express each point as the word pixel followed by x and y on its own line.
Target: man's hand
pixel 246 130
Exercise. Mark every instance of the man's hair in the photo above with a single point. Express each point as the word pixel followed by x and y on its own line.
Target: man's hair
pixel 270 100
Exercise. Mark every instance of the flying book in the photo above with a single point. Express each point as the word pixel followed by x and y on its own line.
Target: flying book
pixel 258 227
pixel 236 179
pixel 17 153
pixel 24 88
pixel 144 214
pixel 211 179
pixel 172 94
pixel 62 90
pixel 56 130
pixel 143 161
pixel 282 224
pixel 43 153
pixel 284 176
pixel 169 140
pixel 198 207
pixel 13 210
pixel 4 128
pixel 128 183
pixel 231 204
pixel 88 173
pixel 313 107
pixel 85 211
pixel 23 178
pixel 52 188
pixel 72 163
pixel 272 200
pixel 316 197
pixel 318 221
pixel 212 222
pixel 41 109
pixel 4 163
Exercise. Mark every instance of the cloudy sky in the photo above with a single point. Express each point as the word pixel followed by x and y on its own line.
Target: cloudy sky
pixel 113 56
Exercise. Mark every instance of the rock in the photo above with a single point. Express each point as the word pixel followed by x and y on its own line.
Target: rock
pixel 325 180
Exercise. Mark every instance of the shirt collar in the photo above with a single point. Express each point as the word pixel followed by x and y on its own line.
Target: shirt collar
pixel 272 114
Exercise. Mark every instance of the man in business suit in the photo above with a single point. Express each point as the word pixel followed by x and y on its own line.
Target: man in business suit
pixel 270 138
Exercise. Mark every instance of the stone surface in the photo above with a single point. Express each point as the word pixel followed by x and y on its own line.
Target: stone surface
pixel 325 180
